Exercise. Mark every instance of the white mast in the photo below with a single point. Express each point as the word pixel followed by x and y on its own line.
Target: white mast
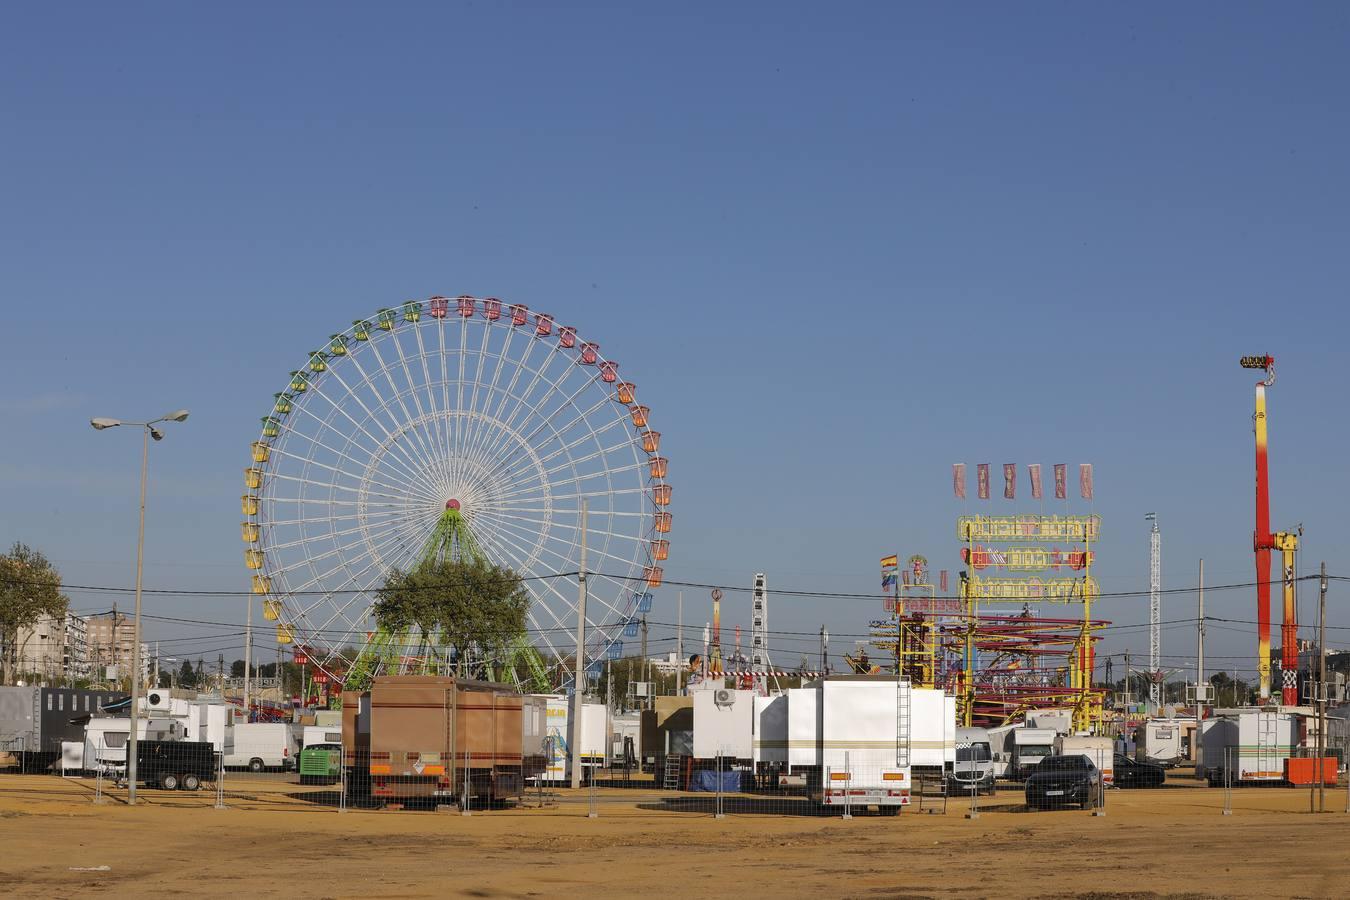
pixel 1154 613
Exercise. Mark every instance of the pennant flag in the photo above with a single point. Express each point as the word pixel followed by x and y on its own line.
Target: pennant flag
pixel 1009 480
pixel 887 582
pixel 1034 470
pixel 890 562
pixel 982 480
pixel 1085 480
pixel 1061 482
pixel 959 480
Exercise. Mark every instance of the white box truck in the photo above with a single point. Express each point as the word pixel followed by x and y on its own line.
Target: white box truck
pixel 1029 747
pixel 864 747
pixel 932 733
pixel 724 721
pixel 262 745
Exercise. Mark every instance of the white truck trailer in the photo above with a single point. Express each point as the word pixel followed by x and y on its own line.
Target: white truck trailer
pixel 559 740
pixel 1101 750
pixel 770 744
pixel 1247 746
pixel 849 741
pixel 1160 741
pixel 932 742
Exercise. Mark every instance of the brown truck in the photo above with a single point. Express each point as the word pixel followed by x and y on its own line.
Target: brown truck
pixel 427 738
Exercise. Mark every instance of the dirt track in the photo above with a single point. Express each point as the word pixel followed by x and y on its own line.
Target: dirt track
pixel 273 841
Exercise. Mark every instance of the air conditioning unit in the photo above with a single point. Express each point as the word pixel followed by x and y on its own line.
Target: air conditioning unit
pixel 724 697
pixel 158 700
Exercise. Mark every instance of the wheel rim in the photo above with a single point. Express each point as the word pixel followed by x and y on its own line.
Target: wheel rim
pixel 506 421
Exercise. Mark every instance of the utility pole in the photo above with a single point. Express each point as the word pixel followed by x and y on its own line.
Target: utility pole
pixel 1154 614
pixel 248 657
pixel 579 669
pixel 156 681
pixel 1322 690
pixel 679 643
pixel 1201 686
pixel 824 650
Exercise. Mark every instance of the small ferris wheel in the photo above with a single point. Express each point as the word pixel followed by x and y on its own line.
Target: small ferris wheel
pixel 459 424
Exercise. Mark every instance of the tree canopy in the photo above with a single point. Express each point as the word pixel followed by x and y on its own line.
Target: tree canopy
pixel 30 587
pixel 471 606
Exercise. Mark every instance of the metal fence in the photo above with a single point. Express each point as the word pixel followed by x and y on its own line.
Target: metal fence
pixel 334 781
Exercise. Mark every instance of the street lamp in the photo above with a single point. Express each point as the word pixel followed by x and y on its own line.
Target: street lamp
pixel 150 432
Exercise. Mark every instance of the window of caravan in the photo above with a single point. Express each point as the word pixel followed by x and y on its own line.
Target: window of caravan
pixel 115 740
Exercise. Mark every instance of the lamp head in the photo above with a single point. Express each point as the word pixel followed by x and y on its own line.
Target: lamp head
pixel 156 433
pixel 101 423
pixel 178 416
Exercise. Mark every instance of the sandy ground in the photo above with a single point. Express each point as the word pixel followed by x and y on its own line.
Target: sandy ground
pixel 274 839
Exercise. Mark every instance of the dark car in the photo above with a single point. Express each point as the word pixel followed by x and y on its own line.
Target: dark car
pixel 1131 773
pixel 1060 780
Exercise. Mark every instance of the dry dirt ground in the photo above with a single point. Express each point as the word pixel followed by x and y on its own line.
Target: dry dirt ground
pixel 276 839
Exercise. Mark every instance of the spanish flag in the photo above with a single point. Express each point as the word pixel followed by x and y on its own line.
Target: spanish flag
pixel 890 562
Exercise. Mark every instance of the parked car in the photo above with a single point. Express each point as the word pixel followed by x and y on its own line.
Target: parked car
pixel 321 764
pixel 1131 773
pixel 1058 781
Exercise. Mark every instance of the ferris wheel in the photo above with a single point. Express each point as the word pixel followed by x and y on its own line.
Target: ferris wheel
pixel 467 422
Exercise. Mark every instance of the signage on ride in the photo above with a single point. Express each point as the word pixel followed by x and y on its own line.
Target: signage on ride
pixel 1011 529
pixel 1026 559
pixel 1019 590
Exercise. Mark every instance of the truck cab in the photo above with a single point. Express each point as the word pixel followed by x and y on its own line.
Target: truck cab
pixel 1029 747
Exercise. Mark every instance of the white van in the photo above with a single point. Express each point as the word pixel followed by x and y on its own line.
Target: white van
pixel 262 745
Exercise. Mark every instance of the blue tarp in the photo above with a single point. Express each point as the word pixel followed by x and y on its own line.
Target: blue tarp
pixel 706 780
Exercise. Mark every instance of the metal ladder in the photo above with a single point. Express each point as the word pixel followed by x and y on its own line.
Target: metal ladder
pixel 901 722
pixel 671 779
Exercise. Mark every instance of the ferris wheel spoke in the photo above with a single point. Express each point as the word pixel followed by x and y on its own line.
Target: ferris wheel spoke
pixel 565 372
pixel 336 487
pixel 415 445
pixel 387 536
pixel 327 426
pixel 508 466
pixel 424 426
pixel 510 527
pixel 530 478
pixel 521 399
pixel 497 540
pixel 438 415
pixel 359 528
pixel 389 436
pixel 480 367
pixel 403 486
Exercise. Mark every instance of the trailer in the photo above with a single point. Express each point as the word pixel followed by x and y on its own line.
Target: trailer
pixel 769 752
pixel 429 738
pixel 176 765
pixel 1248 746
pixel 1162 741
pixel 849 741
pixel 558 741
pixel 1101 750
pixel 36 721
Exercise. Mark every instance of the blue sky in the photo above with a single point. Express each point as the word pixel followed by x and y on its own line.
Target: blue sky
pixel 837 249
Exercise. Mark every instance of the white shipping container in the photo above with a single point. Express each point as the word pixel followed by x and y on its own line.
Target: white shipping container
pixel 771 730
pixel 1255 743
pixel 724 722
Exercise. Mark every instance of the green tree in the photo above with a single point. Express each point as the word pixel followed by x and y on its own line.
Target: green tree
pixel 187 676
pixel 469 606
pixel 30 587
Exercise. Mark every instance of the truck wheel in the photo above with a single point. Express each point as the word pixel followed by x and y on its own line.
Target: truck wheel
pixel 168 781
pixel 191 782
pixel 255 765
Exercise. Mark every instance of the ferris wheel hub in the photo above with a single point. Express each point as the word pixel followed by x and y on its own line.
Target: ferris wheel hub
pixel 452 503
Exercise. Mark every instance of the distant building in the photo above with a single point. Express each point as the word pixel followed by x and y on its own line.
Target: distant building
pixel 55 649
pixel 111 641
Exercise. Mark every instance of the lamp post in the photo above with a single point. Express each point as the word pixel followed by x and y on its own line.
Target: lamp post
pixel 150 431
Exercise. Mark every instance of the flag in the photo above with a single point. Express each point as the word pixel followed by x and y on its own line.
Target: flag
pixel 1034 470
pixel 1009 480
pixel 959 480
pixel 1061 482
pixel 890 562
pixel 942 581
pixel 1085 480
pixel 905 577
pixel 982 480
pixel 887 581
